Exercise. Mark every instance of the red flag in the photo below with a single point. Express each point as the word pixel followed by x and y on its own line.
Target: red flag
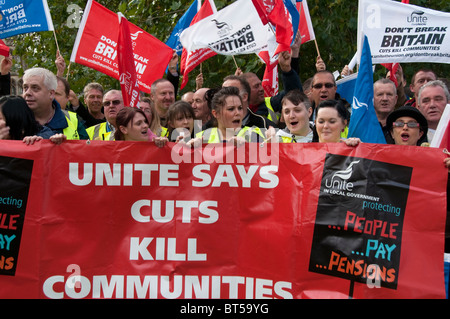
pixel 270 78
pixel 190 60
pixel 275 12
pixel 4 49
pixel 280 18
pixel 262 10
pixel 127 69
pixel 305 26
pixel 97 43
pixel 405 1
pixel 392 67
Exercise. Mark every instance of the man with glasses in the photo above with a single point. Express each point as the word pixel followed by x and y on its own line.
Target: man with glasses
pixel 112 104
pixel 323 87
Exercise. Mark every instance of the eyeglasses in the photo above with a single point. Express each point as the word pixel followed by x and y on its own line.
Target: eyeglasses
pixel 409 124
pixel 319 85
pixel 115 102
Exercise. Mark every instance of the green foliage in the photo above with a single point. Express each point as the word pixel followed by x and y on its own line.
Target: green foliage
pixel 334 21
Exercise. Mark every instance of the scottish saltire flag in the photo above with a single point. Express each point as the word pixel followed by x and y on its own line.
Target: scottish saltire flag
pixel 24 16
pixel 183 23
pixel 363 121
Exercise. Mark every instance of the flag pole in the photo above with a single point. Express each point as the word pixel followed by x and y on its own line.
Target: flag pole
pixel 56 41
pixel 68 70
pixel 317 47
pixel 235 63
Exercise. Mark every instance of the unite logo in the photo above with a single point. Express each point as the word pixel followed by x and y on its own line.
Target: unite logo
pixel 339 180
pixel 417 18
pixel 356 104
pixel 134 37
pixel 224 28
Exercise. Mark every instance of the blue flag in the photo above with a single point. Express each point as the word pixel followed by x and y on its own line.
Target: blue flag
pixel 363 121
pixel 24 16
pixel 346 87
pixel 183 23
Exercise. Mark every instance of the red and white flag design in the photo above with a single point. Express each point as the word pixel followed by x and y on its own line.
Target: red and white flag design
pixel 305 26
pixel 190 60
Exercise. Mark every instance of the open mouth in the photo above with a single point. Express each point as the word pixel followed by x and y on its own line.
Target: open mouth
pixel 294 123
pixel 404 137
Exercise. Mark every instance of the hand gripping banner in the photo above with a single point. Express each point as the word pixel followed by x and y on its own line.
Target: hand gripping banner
pixel 130 220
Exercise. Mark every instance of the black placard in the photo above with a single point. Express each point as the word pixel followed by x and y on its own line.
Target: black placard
pixel 359 220
pixel 15 177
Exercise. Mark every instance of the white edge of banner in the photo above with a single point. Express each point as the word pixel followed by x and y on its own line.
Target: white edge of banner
pixel 48 16
pixel 441 128
pixel 81 30
pixel 359 35
pixel 348 78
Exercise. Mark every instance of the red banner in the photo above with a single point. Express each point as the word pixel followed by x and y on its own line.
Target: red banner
pixel 130 220
pixel 128 80
pixel 97 44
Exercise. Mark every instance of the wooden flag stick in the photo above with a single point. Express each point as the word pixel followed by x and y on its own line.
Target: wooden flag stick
pixel 317 48
pixel 56 41
pixel 68 71
pixel 235 63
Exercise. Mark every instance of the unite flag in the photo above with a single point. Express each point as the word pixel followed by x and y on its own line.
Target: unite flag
pixel 96 46
pixel 127 69
pixel 24 16
pixel 363 121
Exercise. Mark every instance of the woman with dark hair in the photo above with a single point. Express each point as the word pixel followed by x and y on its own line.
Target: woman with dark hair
pixel 180 121
pixel 331 121
pixel 407 126
pixel 17 120
pixel 132 125
pixel 228 113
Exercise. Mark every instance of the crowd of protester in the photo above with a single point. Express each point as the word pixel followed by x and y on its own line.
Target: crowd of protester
pixel 238 111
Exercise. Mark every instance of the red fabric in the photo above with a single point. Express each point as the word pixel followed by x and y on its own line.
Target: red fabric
pixel 279 17
pixel 392 67
pixel 119 213
pixel 4 49
pixel 127 69
pixel 97 45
